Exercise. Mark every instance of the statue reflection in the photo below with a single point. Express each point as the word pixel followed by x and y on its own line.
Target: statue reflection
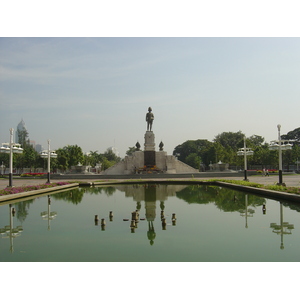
pixel 151 232
pixel 9 231
pixel 150 194
pixel 49 215
pixel 283 228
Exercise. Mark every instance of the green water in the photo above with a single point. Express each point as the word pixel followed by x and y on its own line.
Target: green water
pixel 211 226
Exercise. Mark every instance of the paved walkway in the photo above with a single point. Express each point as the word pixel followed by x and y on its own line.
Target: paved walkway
pixel 289 180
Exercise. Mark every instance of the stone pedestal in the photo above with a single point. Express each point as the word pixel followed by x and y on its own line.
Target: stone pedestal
pixel 149 141
pixel 160 159
pixel 149 150
pixel 149 158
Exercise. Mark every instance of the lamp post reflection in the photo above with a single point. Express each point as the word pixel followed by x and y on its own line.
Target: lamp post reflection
pixel 9 231
pixel 48 215
pixel 282 228
pixel 246 212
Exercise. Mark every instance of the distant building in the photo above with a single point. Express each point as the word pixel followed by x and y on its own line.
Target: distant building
pixel 21 127
pixel 39 148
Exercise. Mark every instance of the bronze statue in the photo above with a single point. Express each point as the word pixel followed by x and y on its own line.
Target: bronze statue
pixel 149 119
pixel 161 146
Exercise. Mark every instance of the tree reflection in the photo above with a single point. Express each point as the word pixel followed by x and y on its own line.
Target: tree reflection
pixel 225 199
pixel 74 196
pixel 22 209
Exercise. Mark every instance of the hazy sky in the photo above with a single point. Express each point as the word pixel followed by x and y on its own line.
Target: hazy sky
pixel 95 92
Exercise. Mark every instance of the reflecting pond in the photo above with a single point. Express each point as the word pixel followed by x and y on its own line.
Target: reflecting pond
pixel 142 223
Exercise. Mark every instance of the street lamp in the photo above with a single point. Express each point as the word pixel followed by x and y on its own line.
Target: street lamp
pixel 11 148
pixel 245 152
pixel 280 145
pixel 47 154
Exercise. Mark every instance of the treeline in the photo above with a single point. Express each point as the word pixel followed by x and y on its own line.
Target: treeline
pixel 68 156
pixel 224 147
pixel 196 153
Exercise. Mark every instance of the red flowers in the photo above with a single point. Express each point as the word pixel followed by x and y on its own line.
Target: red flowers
pixel 32 174
pixel 22 189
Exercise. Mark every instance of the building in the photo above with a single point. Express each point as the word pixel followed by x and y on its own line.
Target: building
pixel 21 129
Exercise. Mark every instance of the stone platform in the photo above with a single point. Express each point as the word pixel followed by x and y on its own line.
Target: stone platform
pixel 149 161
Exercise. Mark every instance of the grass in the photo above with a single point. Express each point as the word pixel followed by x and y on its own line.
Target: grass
pixel 275 187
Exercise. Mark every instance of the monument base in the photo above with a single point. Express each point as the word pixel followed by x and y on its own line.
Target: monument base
pixel 149 158
pixel 149 141
pixel 149 161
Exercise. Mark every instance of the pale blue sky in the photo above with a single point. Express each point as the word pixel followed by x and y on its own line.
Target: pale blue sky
pixel 95 92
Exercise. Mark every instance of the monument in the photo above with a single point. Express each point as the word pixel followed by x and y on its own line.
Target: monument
pixel 149 161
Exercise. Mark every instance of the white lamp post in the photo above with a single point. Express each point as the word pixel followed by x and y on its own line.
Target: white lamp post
pixel 280 145
pixel 11 148
pixel 245 151
pixel 47 154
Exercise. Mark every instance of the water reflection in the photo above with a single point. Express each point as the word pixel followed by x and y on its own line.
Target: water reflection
pixel 202 233
pixel 9 231
pixel 283 228
pixel 150 194
pixel 247 212
pixel 49 215
pixel 225 199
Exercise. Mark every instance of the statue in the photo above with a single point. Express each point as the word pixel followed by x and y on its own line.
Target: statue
pixel 138 146
pixel 149 119
pixel 161 146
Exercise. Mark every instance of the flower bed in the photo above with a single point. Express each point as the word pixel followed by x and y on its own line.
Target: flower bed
pixel 32 174
pixel 28 188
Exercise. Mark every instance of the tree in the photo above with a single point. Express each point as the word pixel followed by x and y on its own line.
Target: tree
pixel 106 163
pixel 189 150
pixel 4 160
pixel 130 151
pixel 193 160
pixel 262 156
pixel 111 156
pixel 62 159
pixel 92 158
pixel 69 156
pixel 292 135
pixel 234 140
pixel 254 141
pixel 75 155
pixel 30 157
